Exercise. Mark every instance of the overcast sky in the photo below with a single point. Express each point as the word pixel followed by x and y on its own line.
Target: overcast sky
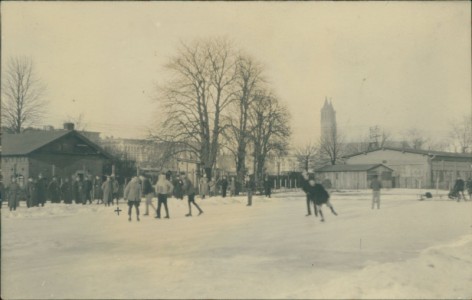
pixel 394 64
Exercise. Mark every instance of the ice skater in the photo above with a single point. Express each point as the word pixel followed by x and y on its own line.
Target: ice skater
pixel 132 193
pixel 163 189
pixel 319 196
pixel 376 185
pixel 148 192
pixel 305 187
pixel 189 190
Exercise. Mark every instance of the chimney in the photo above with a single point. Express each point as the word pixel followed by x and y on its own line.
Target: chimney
pixel 69 126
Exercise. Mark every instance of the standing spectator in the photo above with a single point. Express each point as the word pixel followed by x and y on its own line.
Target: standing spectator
pixel 14 194
pixel 319 196
pixel 31 193
pixel 66 191
pixel 190 192
pixel 88 189
pixel 115 190
pixel 79 195
pixel 376 185
pixel 54 191
pixel 250 186
pixel 107 191
pixel 163 189
pixel 148 193
pixel 233 186
pixel 178 188
pixel 212 187
pixel 469 187
pixel 132 193
pixel 203 186
pixel 459 188
pixel 41 188
pixel 97 189
pixel 224 186
pixel 267 187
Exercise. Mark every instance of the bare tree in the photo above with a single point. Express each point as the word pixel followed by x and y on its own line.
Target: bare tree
pixel 248 80
pixel 202 86
pixel 414 138
pixel 270 130
pixel 331 146
pixel 461 134
pixel 23 104
pixel 306 155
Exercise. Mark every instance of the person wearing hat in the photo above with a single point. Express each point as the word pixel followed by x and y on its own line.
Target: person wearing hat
pixel 305 187
pixel 107 191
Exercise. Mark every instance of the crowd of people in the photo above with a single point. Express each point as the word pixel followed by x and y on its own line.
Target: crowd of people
pixel 88 189
pixel 78 189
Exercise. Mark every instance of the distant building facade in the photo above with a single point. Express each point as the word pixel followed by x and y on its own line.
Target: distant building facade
pixel 418 168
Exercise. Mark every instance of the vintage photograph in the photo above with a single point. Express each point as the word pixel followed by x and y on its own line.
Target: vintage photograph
pixel 236 150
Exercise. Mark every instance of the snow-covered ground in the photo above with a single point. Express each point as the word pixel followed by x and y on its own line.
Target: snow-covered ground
pixel 407 249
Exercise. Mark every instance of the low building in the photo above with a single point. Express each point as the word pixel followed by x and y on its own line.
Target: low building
pixel 357 176
pixel 62 153
pixel 415 168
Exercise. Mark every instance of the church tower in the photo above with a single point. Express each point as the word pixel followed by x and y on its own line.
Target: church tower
pixel 328 120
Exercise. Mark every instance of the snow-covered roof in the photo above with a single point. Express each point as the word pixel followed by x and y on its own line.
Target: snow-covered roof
pixel 416 151
pixel 350 168
pixel 27 142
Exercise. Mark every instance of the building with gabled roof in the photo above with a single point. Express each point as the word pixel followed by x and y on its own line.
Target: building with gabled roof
pixel 416 168
pixel 61 153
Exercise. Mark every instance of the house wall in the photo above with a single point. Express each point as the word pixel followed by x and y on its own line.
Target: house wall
pixel 417 170
pixel 14 166
pixel 445 172
pixel 410 170
pixel 65 165
pixel 357 180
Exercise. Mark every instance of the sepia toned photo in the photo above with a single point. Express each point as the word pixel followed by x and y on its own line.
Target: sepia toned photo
pixel 236 150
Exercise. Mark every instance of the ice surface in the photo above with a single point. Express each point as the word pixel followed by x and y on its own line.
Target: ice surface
pixel 407 249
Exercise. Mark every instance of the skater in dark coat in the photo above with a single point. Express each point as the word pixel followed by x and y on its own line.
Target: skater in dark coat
pixel 224 186
pixel 459 188
pixel 189 190
pixel 319 196
pixel 305 187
